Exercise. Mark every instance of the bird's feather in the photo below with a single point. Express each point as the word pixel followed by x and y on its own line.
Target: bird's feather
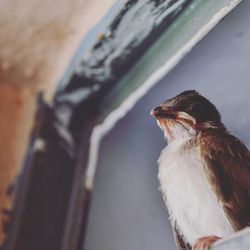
pixel 227 168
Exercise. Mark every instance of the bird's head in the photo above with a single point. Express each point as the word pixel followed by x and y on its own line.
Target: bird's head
pixel 185 114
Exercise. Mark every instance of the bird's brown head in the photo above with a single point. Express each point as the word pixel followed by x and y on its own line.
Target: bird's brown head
pixel 186 113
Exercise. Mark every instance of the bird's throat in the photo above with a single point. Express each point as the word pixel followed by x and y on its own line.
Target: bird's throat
pixel 174 130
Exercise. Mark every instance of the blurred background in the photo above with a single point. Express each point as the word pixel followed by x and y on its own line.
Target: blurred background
pixel 38 41
pixel 127 210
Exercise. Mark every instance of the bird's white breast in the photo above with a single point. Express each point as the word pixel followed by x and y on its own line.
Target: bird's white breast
pixel 190 201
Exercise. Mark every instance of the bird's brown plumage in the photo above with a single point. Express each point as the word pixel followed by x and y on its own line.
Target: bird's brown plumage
pixel 225 159
pixel 227 168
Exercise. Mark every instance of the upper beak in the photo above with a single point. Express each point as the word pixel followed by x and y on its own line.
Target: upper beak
pixel 154 112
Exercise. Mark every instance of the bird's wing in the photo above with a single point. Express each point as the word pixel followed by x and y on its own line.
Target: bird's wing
pixel 179 240
pixel 227 168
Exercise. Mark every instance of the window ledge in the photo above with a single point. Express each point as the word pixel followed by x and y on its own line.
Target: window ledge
pixel 240 240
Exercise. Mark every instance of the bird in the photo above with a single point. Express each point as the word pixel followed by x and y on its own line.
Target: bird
pixel 204 172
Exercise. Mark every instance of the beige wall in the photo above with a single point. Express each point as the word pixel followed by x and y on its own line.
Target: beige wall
pixel 37 40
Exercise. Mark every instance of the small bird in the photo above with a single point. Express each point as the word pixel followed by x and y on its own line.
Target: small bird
pixel 204 172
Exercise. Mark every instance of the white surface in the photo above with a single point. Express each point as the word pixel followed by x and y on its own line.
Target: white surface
pixel 239 241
